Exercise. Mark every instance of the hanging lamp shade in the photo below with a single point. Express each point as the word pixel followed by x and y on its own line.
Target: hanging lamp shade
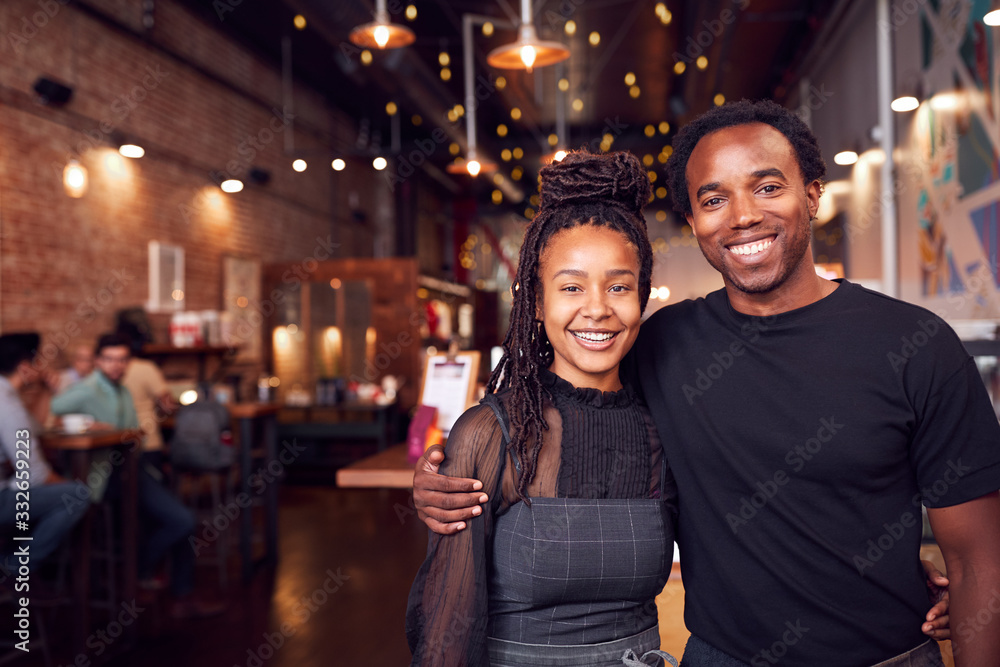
pixel 382 33
pixel 527 52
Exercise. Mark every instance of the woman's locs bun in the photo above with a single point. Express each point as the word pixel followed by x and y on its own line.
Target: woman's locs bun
pixel 581 176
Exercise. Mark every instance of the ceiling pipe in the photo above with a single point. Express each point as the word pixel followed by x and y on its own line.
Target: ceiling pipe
pixel 468 20
pixel 561 96
pixel 887 132
pixel 288 93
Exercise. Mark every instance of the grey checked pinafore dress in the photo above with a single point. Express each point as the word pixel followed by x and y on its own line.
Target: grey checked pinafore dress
pixel 565 570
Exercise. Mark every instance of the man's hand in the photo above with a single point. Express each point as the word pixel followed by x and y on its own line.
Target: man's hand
pixel 969 537
pixel 444 503
pixel 937 625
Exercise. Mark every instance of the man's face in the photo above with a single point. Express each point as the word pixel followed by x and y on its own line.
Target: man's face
pixel 83 360
pixel 751 210
pixel 112 361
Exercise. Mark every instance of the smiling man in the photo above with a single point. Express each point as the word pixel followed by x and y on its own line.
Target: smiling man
pixel 807 422
pixel 803 461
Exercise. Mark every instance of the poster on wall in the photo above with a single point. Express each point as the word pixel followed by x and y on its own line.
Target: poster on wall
pixel 954 144
pixel 241 280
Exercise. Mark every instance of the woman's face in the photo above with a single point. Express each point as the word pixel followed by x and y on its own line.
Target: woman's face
pixel 589 303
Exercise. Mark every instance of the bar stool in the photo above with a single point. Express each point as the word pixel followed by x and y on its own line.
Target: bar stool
pixel 201 452
pixel 103 534
pixel 221 493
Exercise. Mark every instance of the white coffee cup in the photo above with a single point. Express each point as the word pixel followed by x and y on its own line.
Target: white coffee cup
pixel 77 423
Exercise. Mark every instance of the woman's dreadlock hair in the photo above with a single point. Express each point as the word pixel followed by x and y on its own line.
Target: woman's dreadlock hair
pixel 607 190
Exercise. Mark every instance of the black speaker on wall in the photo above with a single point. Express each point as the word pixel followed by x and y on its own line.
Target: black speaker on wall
pixel 259 176
pixel 52 92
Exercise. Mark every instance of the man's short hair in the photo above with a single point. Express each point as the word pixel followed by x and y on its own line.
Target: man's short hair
pixel 112 340
pixel 744 112
pixel 17 347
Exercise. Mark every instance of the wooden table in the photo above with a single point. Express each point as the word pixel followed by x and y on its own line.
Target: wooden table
pixel 387 469
pixel 246 414
pixel 80 450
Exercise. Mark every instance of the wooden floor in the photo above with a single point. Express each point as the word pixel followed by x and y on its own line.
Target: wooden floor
pixel 337 597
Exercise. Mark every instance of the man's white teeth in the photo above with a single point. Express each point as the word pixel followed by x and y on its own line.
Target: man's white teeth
pixel 751 248
pixel 595 337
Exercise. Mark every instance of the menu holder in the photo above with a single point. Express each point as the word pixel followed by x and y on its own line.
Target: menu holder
pixel 421 432
pixel 449 384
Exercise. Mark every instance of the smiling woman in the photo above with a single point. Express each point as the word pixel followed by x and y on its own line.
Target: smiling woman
pixel 581 508
pixel 589 304
pixel 584 189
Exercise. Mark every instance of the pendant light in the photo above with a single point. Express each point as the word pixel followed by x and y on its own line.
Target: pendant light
pixel 382 33
pixel 472 164
pixel 528 51
pixel 560 151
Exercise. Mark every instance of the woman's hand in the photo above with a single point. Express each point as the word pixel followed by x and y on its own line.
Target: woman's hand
pixel 937 625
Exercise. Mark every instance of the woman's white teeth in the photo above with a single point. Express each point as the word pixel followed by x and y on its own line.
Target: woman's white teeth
pixel 751 248
pixel 595 337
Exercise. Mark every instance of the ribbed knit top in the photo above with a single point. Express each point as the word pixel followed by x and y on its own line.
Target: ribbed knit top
pixel 605 442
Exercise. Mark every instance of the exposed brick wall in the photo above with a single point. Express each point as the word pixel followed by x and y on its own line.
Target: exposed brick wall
pixel 67 264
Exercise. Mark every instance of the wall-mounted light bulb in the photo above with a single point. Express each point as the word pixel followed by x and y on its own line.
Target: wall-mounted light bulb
pixel 131 150
pixel 75 179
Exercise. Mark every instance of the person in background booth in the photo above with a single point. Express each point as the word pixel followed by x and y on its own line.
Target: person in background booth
pixel 151 396
pixel 51 519
pixel 81 365
pixel 170 524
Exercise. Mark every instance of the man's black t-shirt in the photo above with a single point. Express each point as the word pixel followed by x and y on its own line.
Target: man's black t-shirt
pixel 803 445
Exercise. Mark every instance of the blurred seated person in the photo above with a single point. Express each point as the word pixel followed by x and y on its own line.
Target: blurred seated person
pixel 81 364
pixel 150 395
pixel 51 519
pixel 103 396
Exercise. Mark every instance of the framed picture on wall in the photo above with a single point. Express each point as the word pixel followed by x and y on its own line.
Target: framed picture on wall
pixel 166 278
pixel 449 385
pixel 241 284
